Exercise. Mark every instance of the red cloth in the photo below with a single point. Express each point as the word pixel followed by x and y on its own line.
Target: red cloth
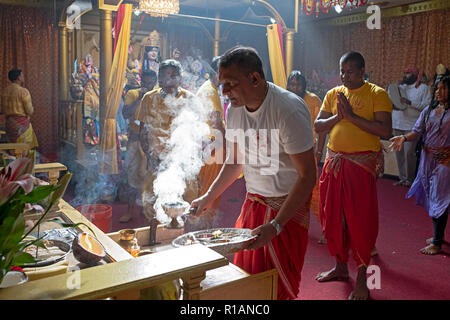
pixel 118 25
pixel 286 252
pixel 352 195
pixel 15 126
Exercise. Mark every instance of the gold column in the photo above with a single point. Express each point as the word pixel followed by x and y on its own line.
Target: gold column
pixel 217 35
pixel 106 47
pixel 289 51
pixel 63 67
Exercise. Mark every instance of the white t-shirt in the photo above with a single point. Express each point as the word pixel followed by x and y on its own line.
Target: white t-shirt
pixel 420 97
pixel 281 126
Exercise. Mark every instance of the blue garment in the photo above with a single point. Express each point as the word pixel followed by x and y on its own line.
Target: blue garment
pixel 432 184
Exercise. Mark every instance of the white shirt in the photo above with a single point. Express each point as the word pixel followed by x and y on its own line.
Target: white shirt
pixel 420 97
pixel 282 126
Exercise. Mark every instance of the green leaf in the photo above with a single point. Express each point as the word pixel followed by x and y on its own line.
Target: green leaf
pixel 15 233
pixel 37 194
pixel 21 258
pixel 60 189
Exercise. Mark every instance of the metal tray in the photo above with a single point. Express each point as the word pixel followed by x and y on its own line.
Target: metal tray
pixel 231 240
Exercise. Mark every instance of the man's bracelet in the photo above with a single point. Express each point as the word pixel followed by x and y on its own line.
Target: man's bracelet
pixel 404 137
pixel 276 225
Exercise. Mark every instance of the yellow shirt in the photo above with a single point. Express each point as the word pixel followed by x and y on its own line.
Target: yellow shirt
pixel 313 103
pixel 16 100
pixel 156 113
pixel 130 97
pixel 365 101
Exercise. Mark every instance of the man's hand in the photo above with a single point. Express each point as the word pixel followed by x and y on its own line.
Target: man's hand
pixel 265 233
pixel 397 143
pixel 198 206
pixel 345 110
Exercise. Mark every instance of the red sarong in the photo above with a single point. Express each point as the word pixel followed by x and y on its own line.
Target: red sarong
pixel 15 126
pixel 348 198
pixel 286 252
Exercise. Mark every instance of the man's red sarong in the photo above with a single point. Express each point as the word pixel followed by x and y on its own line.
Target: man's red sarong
pixel 286 252
pixel 348 198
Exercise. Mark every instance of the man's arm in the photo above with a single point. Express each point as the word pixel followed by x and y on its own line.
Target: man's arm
pixel 230 171
pixel 320 144
pixel 299 194
pixel 325 121
pixel 380 126
pixel 27 103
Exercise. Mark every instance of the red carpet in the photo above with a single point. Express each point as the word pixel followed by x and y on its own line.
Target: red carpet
pixel 406 274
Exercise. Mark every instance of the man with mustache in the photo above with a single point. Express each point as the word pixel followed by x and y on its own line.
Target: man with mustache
pixel 417 97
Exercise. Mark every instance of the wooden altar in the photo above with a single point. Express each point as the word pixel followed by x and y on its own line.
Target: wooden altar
pixel 204 273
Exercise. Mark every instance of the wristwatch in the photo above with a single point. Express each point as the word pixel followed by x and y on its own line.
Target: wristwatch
pixel 276 225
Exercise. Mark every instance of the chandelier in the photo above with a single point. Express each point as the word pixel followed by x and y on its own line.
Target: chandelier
pixel 159 8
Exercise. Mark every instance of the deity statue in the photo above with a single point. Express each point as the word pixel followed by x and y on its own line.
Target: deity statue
pixel 151 52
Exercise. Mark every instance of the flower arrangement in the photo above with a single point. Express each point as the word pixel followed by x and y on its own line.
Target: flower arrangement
pixel 20 192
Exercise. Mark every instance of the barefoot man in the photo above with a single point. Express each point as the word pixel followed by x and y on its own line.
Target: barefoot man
pixel 279 184
pixel 356 114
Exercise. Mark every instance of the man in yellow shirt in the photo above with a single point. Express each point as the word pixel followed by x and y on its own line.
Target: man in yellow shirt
pixel 135 161
pixel 156 113
pixel 356 114
pixel 17 107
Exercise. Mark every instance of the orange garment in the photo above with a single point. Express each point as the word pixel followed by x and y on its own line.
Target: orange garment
pixel 154 112
pixel 313 103
pixel 16 100
pixel 345 136
pixel 285 252
pixel 209 93
pixel 16 105
pixel 348 197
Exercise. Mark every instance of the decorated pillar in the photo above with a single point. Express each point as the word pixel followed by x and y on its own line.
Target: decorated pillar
pixel 106 48
pixel 289 51
pixel 217 35
pixel 63 62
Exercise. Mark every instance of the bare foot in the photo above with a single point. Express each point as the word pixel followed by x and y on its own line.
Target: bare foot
pixel 361 291
pixel 430 241
pixel 374 252
pixel 338 273
pixel 125 218
pixel 322 240
pixel 431 249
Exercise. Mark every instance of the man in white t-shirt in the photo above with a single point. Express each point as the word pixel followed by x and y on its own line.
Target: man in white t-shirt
pixel 269 137
pixel 418 96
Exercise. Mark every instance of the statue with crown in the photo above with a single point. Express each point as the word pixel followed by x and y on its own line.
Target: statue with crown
pixel 151 52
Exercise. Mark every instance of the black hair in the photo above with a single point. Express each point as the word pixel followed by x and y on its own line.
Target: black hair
pixel 434 103
pixel 170 63
pixel 298 76
pixel 215 63
pixel 149 73
pixel 246 58
pixel 355 57
pixel 14 74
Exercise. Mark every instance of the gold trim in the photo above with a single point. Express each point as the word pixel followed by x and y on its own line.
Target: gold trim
pixel 388 13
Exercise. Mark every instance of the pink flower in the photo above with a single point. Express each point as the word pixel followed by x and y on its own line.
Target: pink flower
pixel 14 176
